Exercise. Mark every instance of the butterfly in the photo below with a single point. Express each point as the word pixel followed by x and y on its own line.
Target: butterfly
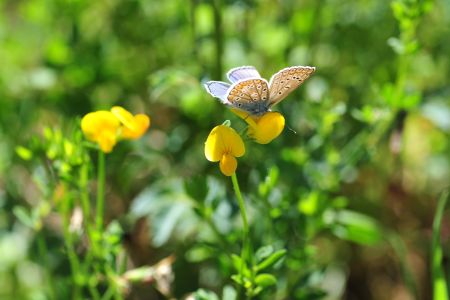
pixel 251 93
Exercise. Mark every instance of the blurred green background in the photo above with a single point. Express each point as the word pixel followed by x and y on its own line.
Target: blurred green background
pixel 350 187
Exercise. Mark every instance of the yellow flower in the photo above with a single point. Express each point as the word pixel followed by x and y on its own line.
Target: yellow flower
pixel 106 127
pixel 133 126
pixel 265 128
pixel 101 127
pixel 224 144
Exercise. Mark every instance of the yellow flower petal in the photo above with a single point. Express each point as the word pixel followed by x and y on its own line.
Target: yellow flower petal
pixel 94 123
pixel 107 140
pixel 124 116
pixel 223 140
pixel 101 127
pixel 267 127
pixel 141 124
pixel 228 165
pixel 133 126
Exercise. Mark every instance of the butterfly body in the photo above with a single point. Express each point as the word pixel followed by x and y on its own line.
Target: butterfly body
pixel 251 93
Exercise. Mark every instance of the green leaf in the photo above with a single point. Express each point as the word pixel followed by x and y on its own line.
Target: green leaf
pixel 309 205
pixel 202 294
pixel 257 290
pixel 263 252
pixel 24 153
pixel 271 260
pixel 310 293
pixel 397 45
pixel 238 279
pixel 198 254
pixel 239 265
pixel 398 8
pixel 297 155
pixel 265 280
pixel 269 182
pixel 113 233
pixel 411 101
pixel 237 261
pixel 353 226
pixel 229 293
pixel 340 202
pixel 24 216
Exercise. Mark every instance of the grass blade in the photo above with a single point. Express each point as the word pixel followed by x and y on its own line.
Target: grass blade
pixel 440 291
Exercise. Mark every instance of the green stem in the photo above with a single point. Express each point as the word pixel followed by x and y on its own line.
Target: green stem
pixel 193 22
pixel 85 206
pixel 241 203
pixel 440 290
pixel 218 35
pixel 113 291
pixel 43 253
pixel 122 267
pixel 83 184
pixel 94 293
pixel 100 206
pixel 100 191
pixel 71 252
pixel 246 248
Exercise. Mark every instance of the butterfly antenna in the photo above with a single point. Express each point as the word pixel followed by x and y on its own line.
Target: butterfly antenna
pixel 295 132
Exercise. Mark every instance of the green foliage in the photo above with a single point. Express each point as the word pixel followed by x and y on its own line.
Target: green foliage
pixel 338 206
pixel 353 226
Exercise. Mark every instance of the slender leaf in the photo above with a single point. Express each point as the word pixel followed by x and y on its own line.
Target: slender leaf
pixel 271 260
pixel 265 280
pixel 440 290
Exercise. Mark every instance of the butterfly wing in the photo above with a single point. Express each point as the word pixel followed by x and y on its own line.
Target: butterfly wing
pixel 241 73
pixel 249 95
pixel 285 81
pixel 218 89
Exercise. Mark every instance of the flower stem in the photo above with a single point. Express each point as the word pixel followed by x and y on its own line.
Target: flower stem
pixel 100 191
pixel 85 205
pixel 71 249
pixel 246 248
pixel 240 201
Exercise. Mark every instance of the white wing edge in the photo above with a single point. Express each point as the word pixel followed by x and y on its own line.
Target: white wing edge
pixel 212 87
pixel 305 67
pixel 244 72
pixel 245 79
